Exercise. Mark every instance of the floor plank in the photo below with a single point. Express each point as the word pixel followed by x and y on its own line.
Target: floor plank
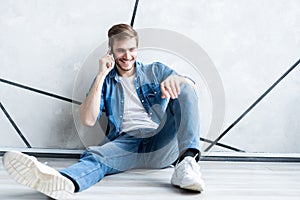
pixel 224 180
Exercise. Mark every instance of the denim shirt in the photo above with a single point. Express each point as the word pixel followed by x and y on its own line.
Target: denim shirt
pixel 147 84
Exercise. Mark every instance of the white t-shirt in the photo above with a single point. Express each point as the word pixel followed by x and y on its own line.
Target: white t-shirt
pixel 135 116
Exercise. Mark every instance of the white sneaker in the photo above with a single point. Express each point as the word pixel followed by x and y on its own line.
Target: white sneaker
pixel 28 171
pixel 187 175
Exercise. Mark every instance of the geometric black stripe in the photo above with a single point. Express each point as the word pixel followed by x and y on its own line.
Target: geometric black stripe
pixel 15 126
pixel 39 91
pixel 252 106
pixel 222 145
pixel 134 12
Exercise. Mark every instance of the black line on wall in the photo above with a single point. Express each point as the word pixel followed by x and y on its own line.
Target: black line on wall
pixel 39 91
pixel 222 145
pixel 134 12
pixel 252 106
pixel 15 126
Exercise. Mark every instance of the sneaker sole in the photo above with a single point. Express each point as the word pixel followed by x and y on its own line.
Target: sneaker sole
pixel 194 187
pixel 197 187
pixel 25 170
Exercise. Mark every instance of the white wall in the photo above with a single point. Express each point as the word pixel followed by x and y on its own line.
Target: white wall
pixel 43 44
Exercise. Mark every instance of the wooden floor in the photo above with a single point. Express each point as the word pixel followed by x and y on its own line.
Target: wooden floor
pixel 224 180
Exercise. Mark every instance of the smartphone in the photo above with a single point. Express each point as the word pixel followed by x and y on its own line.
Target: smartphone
pixel 111 54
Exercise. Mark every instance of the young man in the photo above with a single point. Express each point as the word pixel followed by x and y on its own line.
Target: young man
pixel 153 122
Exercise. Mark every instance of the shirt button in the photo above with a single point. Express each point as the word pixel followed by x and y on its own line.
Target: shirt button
pixel 155 92
pixel 143 101
pixel 150 113
pixel 121 116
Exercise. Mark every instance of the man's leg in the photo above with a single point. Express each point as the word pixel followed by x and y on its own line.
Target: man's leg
pixel 187 173
pixel 180 128
pixel 97 161
pixel 179 137
pixel 187 117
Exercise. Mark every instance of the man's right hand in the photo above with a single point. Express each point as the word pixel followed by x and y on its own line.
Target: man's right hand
pixel 106 63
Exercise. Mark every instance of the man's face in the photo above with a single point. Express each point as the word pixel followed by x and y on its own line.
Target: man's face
pixel 125 53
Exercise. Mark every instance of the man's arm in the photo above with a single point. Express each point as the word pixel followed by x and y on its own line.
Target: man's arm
pixel 170 87
pixel 89 109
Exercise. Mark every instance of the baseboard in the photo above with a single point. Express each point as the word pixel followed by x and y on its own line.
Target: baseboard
pixel 205 156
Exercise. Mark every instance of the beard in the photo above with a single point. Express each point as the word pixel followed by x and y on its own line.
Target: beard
pixel 121 66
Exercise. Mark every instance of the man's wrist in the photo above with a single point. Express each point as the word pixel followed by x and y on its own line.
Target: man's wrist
pixel 187 79
pixel 101 75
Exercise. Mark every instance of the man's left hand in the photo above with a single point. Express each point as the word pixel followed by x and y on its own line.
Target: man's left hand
pixel 170 87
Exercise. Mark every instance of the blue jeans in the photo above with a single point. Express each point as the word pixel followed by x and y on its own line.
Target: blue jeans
pixel 144 148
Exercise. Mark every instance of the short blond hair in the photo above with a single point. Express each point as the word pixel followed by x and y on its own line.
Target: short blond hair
pixel 121 32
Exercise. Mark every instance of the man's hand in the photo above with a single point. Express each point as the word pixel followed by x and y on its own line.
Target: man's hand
pixel 106 63
pixel 170 87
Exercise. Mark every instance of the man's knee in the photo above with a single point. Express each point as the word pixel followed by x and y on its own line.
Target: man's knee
pixel 186 89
